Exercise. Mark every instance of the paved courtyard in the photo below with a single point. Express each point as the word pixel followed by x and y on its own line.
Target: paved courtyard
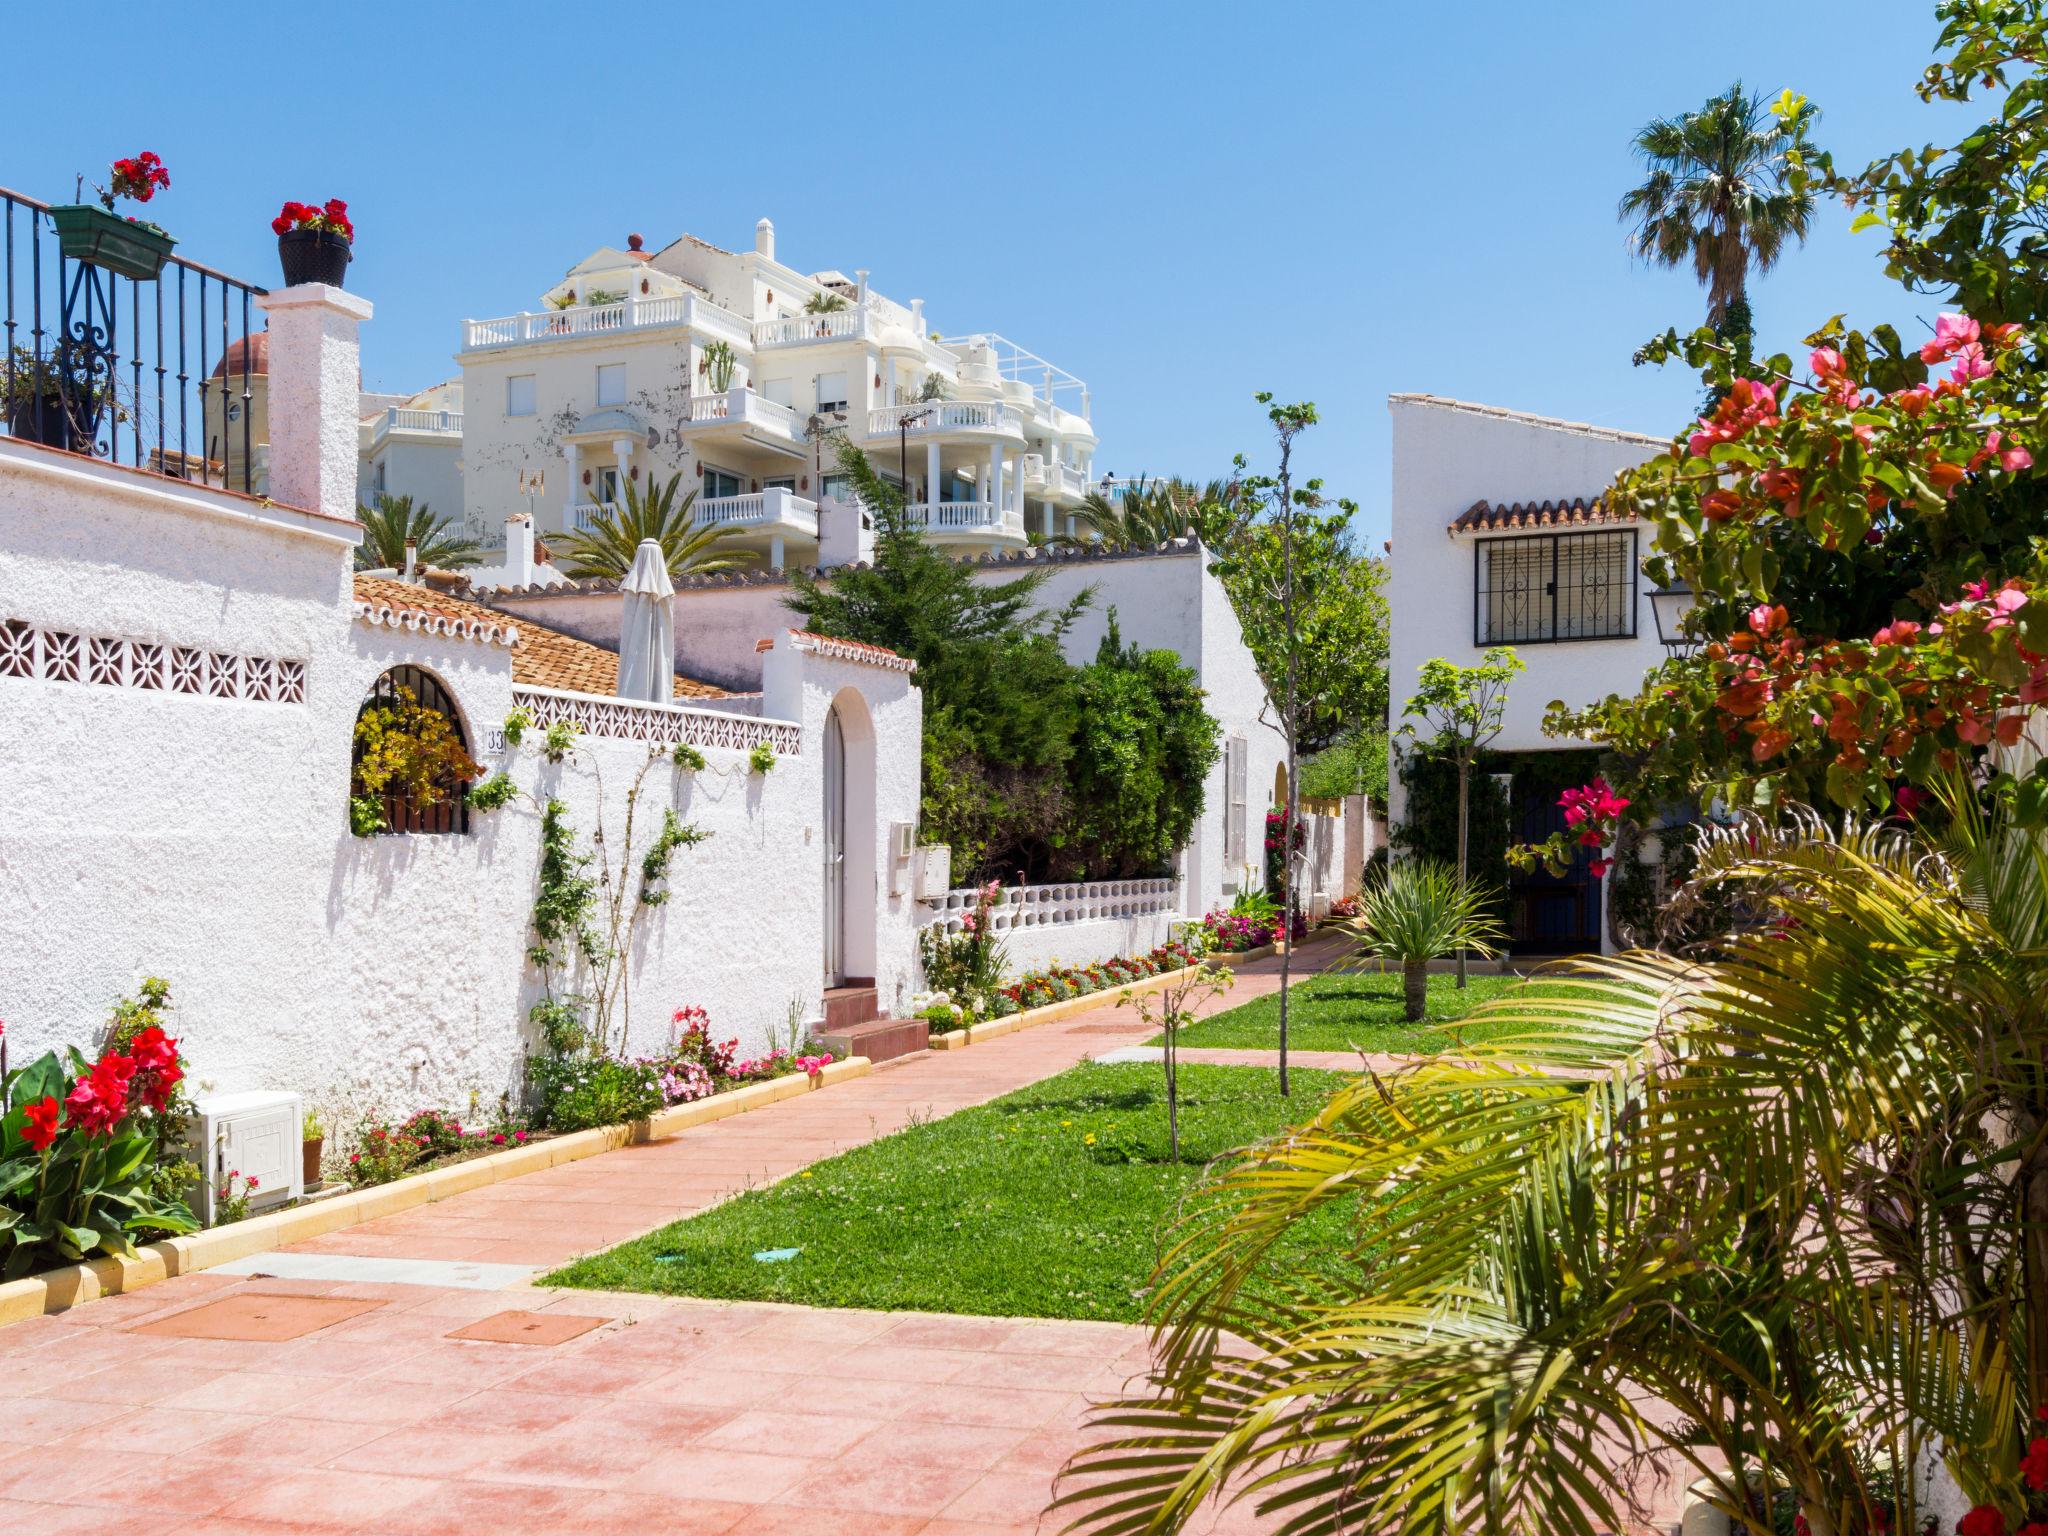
pixel 686 1416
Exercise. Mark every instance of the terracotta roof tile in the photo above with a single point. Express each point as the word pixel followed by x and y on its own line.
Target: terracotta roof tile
pixel 541 657
pixel 1485 517
pixel 844 650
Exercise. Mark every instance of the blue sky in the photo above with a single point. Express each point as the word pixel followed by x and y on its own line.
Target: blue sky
pixel 1182 204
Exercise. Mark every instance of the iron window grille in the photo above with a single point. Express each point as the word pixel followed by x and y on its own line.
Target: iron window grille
pixel 402 813
pixel 1545 588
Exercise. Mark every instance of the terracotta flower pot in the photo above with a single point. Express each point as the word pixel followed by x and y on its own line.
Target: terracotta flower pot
pixel 311 1150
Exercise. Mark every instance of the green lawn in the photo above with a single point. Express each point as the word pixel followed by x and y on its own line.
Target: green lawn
pixel 1047 1202
pixel 1342 1013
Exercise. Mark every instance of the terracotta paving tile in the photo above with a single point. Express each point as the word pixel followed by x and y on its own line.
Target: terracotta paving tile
pixel 1005 1498
pixel 794 1433
pixel 500 1509
pixel 788 1519
pixel 430 1451
pixel 554 1459
pixel 1008 1407
pixel 498 1410
pixel 318 1498
pixel 851 1396
pixel 51 1519
pixel 543 1329
pixel 951 1333
pixel 886 1486
pixel 376 1401
pixel 260 1316
pixel 1046 1373
pixel 597 1378
pixel 288 1442
pixel 251 1392
pixel 747 1477
pixel 749 1354
pixel 41 1420
pixel 147 1381
pixel 159 1432
pixel 887 1363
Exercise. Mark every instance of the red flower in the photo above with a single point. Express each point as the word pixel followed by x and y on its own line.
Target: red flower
pixel 99 1099
pixel 157 1071
pixel 2034 1465
pixel 41 1128
pixel 1984 1520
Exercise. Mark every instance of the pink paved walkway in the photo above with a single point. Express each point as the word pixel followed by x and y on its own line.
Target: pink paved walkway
pixel 679 1416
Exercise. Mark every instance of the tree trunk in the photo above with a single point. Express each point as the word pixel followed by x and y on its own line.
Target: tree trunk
pixel 1291 810
pixel 1464 819
pixel 1414 989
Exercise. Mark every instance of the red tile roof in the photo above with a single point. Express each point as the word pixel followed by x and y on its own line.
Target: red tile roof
pixel 844 650
pixel 1485 517
pixel 541 657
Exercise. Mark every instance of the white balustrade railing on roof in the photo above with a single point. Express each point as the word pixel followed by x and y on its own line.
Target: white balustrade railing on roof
pixel 1044 906
pixel 605 319
pixel 834 325
pixel 964 517
pixel 944 416
pixel 398 419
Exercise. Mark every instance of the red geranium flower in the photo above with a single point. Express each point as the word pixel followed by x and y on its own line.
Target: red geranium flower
pixel 331 217
pixel 1984 1520
pixel 41 1129
pixel 2034 1465
pixel 157 1071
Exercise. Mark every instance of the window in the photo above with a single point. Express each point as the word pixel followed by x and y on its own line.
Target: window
pixel 779 483
pixel 1561 586
pixel 611 384
pixel 718 483
pixel 608 484
pixel 411 767
pixel 377 479
pixel 519 395
pixel 1234 781
pixel 831 392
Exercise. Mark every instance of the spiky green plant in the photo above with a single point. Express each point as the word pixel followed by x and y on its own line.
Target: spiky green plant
pixel 1774 1214
pixel 607 547
pixel 393 520
pixel 1421 911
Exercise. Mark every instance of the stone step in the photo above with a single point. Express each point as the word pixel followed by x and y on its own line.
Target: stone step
pixel 854 1003
pixel 879 1039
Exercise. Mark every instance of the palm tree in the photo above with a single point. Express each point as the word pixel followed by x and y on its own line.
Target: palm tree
pixel 1793 1195
pixel 393 520
pixel 1716 194
pixel 607 548
pixel 1421 910
pixel 1144 516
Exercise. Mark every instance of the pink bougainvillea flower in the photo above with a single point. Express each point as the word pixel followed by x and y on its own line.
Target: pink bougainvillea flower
pixel 1971 364
pixel 1599 867
pixel 1951 334
pixel 1898 632
pixel 1827 364
pixel 2009 600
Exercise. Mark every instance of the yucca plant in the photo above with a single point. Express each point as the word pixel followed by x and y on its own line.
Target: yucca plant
pixel 1419 912
pixel 607 548
pixel 394 519
pixel 1775 1215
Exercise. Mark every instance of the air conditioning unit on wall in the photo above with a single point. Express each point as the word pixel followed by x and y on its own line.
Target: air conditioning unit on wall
pixel 256 1135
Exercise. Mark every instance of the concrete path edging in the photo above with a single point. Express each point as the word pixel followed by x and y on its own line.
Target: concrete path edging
pixel 59 1289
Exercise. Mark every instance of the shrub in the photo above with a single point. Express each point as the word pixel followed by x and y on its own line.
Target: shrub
pixel 1423 909
pixel 578 1092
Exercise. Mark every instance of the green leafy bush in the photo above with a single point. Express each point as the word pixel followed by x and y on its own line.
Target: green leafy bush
pixel 578 1092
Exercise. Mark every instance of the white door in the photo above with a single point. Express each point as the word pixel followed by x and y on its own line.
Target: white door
pixel 835 850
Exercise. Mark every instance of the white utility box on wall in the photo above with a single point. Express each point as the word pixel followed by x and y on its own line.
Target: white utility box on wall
pixel 255 1135
pixel 934 870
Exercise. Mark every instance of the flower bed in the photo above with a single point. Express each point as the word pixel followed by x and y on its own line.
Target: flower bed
pixel 1036 989
pixel 427 1140
pixel 1232 933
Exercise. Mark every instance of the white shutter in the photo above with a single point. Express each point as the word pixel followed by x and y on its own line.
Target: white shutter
pixel 779 391
pixel 1234 753
pixel 832 394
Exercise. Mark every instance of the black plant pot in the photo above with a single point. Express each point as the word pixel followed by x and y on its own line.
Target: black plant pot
pixel 44 419
pixel 313 256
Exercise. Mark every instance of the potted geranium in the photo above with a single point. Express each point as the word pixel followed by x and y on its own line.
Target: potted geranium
pixel 314 244
pixel 95 233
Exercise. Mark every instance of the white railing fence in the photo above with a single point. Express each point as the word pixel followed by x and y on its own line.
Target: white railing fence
pixel 1045 906
pixel 600 319
pixel 837 325
pixel 399 420
pixel 963 517
pixel 944 416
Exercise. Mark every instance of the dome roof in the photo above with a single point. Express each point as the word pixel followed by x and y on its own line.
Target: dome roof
pixel 257 347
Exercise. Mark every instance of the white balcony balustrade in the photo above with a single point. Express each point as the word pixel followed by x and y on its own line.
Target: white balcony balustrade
pixel 586 320
pixel 583 515
pixel 775 509
pixel 983 417
pixel 979 518
pixel 398 420
pixel 744 410
pixel 853 323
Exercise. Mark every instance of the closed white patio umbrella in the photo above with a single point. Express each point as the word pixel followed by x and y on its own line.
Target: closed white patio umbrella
pixel 647 628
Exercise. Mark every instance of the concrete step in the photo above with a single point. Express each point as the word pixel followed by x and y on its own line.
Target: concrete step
pixel 854 1003
pixel 879 1039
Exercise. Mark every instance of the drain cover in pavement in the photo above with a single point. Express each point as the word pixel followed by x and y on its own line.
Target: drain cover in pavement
pixel 258 1317
pixel 529 1328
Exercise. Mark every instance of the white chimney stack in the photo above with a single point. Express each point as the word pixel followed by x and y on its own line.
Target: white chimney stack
pixel 519 550
pixel 764 239
pixel 412 558
pixel 917 316
pixel 861 287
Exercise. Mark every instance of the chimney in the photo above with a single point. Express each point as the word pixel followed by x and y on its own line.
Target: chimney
pixel 412 557
pixel 917 316
pixel 861 287
pixel 519 550
pixel 315 396
pixel 764 239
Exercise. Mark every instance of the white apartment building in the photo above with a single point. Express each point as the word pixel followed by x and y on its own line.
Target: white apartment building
pixel 1501 538
pixel 411 445
pixel 738 372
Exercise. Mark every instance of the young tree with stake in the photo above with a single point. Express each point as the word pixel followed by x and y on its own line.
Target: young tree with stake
pixel 1464 709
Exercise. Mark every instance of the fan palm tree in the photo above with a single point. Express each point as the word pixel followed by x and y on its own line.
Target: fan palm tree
pixel 393 520
pixel 1144 516
pixel 1421 910
pixel 1716 196
pixel 1793 1195
pixel 607 547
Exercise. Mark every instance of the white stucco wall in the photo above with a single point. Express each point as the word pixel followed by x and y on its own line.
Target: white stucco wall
pixel 1448 455
pixel 204 839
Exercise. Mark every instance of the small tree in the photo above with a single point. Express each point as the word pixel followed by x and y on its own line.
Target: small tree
pixel 1423 909
pixel 1172 1008
pixel 1463 709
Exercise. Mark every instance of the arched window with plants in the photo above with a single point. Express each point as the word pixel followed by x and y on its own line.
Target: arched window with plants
pixel 411 770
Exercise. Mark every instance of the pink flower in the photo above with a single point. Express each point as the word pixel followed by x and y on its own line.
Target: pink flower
pixel 1599 867
pixel 1827 364
pixel 1951 334
pixel 2010 600
pixel 1971 363
pixel 2013 458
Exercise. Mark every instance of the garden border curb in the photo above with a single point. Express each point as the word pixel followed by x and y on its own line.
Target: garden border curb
pixel 58 1290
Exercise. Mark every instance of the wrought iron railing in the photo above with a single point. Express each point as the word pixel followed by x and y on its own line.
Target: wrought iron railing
pixel 147 373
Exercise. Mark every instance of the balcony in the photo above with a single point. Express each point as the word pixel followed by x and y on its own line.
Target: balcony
pixel 976 418
pixel 982 521
pixel 740 415
pixel 597 320
pixel 415 424
pixel 775 511
pixel 1054 481
pixel 854 323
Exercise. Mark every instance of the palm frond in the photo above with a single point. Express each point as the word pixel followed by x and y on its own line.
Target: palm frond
pixel 393 520
pixel 607 547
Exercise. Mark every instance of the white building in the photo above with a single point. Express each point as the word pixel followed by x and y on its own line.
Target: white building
pixel 735 371
pixel 1500 538
pixel 412 446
